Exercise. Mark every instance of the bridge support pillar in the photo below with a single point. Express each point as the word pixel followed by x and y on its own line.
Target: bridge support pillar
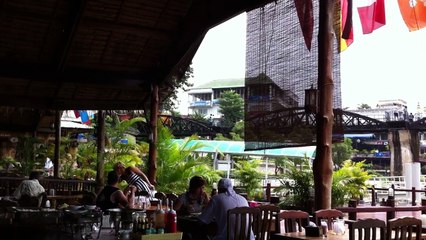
pixel 404 147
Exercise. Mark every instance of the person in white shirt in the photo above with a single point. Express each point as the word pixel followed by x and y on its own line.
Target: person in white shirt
pixel 30 187
pixel 217 209
pixel 48 167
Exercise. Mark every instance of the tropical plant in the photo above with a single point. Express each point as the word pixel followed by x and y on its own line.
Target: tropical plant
pixel 27 155
pixel 249 177
pixel 298 181
pixel 7 162
pixel 176 164
pixel 350 182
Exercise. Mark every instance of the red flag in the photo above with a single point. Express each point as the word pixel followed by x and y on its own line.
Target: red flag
pixel 347 36
pixel 306 20
pixel 77 113
pixel 372 15
pixel 414 13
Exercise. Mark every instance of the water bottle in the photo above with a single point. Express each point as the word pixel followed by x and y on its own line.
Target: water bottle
pixel 47 203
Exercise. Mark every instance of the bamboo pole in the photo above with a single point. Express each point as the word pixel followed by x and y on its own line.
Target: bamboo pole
pixel 152 159
pixel 323 165
pixel 56 165
pixel 100 163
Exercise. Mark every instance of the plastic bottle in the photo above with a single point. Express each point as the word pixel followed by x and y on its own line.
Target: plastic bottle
pixel 47 203
pixel 159 216
pixel 171 226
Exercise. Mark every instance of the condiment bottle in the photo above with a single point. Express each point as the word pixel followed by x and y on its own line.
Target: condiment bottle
pixel 159 216
pixel 171 226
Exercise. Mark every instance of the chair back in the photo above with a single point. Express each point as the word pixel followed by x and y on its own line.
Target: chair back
pixel 242 222
pixel 404 228
pixel 161 196
pixel 30 201
pixel 367 229
pixel 172 197
pixel 329 215
pixel 269 220
pixel 293 220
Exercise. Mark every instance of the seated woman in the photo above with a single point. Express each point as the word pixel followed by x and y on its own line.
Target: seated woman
pixel 112 197
pixel 194 200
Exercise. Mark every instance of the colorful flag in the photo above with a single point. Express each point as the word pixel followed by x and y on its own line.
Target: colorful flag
pixel 77 113
pixel 84 117
pixel 372 15
pixel 347 35
pixel 414 13
pixel 306 20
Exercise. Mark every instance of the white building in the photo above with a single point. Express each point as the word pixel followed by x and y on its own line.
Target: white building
pixel 203 99
pixel 387 110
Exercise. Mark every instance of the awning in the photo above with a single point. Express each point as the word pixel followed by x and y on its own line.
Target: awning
pixel 237 148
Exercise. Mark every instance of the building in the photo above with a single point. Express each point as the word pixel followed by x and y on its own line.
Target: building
pixel 387 110
pixel 204 99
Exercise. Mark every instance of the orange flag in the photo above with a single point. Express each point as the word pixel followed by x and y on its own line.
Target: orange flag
pixel 414 13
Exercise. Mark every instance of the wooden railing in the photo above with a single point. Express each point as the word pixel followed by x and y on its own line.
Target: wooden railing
pixel 61 186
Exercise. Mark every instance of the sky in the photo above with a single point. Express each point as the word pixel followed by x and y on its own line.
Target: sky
pixel 386 64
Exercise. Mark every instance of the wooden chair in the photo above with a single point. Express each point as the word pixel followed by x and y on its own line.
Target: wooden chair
pixel 294 220
pixel 242 222
pixel 367 229
pixel 161 196
pixel 405 228
pixel 329 214
pixel 269 220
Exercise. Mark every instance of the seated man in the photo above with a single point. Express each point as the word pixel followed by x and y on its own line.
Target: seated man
pixel 112 197
pixel 30 192
pixel 217 209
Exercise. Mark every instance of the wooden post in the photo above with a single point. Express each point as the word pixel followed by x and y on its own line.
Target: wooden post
pixel 100 178
pixel 152 158
pixel 373 196
pixel 56 165
pixel 268 192
pixel 323 165
pixel 413 196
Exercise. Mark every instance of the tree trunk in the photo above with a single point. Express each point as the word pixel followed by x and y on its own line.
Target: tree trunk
pixel 323 165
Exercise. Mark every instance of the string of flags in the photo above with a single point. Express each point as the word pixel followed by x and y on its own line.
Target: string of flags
pixel 371 13
pixel 85 115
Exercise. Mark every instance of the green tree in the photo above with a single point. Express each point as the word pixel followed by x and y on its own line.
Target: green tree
pixel 342 152
pixel 364 106
pixel 231 105
pixel 177 84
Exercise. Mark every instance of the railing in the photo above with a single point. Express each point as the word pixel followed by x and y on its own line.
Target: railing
pixel 61 186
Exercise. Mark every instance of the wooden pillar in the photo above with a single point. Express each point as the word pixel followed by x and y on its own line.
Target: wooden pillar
pixel 100 178
pixel 323 166
pixel 56 165
pixel 152 158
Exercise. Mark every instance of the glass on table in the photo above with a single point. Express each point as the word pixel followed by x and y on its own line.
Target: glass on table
pixel 324 227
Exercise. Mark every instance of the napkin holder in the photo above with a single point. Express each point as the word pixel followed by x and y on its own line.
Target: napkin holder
pixel 311 231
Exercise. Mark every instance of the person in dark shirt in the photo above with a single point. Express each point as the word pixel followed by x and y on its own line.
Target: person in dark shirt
pixel 112 197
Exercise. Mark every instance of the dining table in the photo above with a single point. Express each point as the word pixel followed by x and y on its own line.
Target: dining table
pixel 62 198
pixel 302 236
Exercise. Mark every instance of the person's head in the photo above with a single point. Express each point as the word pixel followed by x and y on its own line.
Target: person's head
pixel 35 175
pixel 196 184
pixel 112 178
pixel 225 186
pixel 119 168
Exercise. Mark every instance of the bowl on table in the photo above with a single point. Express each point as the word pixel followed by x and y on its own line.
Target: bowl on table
pixel 90 207
pixel 75 207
